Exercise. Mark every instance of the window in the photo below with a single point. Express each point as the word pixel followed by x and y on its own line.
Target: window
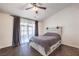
pixel 27 29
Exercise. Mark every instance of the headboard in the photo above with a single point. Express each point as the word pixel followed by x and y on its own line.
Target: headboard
pixel 57 29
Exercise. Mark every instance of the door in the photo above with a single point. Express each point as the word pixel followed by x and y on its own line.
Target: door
pixel 27 31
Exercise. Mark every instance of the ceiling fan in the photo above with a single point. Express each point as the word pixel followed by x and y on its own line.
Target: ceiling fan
pixel 35 7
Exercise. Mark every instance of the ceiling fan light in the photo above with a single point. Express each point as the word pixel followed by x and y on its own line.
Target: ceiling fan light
pixel 35 8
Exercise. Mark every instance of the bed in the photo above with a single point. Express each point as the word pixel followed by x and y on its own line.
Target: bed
pixel 47 43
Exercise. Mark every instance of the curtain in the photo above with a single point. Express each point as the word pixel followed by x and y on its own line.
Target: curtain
pixel 36 28
pixel 16 31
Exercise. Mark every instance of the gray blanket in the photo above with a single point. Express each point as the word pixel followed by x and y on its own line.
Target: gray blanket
pixel 46 40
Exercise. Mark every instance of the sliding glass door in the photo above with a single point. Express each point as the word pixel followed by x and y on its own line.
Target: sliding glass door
pixel 27 28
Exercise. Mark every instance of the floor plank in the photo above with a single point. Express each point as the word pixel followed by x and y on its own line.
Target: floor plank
pixel 26 50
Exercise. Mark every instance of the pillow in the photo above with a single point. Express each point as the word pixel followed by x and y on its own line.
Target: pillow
pixel 50 34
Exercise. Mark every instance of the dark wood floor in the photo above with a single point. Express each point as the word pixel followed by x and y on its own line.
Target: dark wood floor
pixel 25 50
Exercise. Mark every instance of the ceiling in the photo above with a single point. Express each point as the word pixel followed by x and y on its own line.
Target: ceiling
pixel 19 10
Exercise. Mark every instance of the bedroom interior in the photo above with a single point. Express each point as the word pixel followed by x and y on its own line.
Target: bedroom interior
pixel 39 29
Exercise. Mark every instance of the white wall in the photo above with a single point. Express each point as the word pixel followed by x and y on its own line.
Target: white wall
pixel 40 28
pixel 68 18
pixel 6 30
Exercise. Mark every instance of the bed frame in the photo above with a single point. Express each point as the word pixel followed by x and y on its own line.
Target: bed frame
pixel 54 29
pixel 40 49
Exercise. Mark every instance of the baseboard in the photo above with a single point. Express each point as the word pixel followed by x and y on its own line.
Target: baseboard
pixel 71 45
pixel 6 47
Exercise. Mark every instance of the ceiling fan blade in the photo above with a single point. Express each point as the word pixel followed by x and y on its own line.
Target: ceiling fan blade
pixel 28 8
pixel 41 7
pixel 34 4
